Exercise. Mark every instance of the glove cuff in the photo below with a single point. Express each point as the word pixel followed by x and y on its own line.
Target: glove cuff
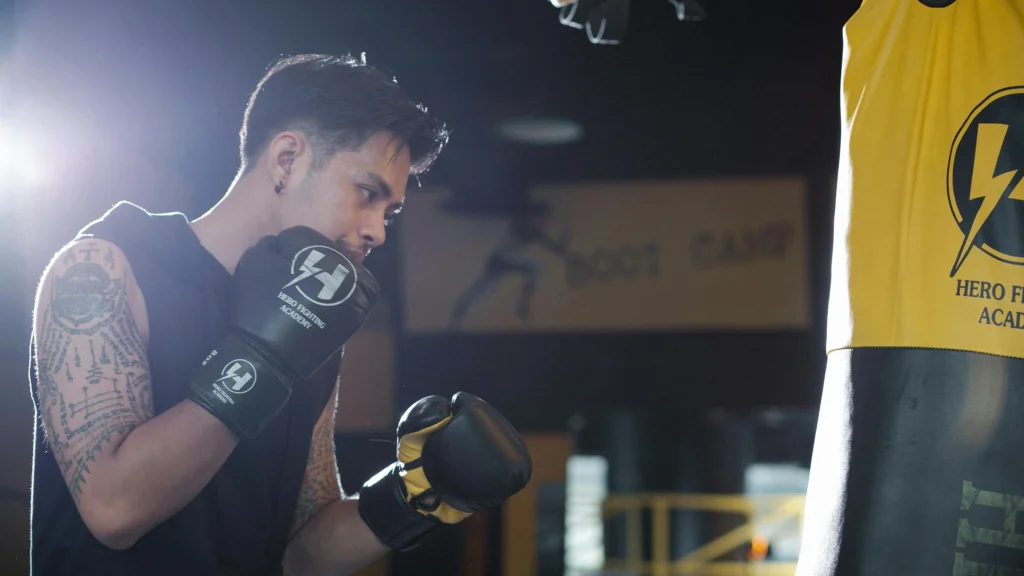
pixel 237 384
pixel 385 510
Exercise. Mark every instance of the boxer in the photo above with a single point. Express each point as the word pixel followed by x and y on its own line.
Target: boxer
pixel 184 373
pixel 917 466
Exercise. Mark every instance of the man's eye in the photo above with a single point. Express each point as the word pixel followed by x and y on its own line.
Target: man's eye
pixel 370 193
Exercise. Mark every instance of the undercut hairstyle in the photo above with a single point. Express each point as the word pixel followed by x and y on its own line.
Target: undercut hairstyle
pixel 338 102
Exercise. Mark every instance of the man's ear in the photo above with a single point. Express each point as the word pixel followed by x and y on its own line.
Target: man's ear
pixel 281 156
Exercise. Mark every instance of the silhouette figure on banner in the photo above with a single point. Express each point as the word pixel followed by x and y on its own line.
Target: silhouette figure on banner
pixel 512 259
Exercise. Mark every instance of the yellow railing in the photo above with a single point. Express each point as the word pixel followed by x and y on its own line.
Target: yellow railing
pixel 757 510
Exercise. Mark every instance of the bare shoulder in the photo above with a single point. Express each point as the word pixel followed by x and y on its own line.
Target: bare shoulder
pixel 84 281
pixel 90 336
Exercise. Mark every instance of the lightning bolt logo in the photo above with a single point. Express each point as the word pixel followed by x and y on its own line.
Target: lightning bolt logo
pixel 313 266
pixel 308 268
pixel 986 185
pixel 232 374
pixel 330 282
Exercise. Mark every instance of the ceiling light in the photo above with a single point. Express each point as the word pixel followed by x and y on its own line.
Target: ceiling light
pixel 540 131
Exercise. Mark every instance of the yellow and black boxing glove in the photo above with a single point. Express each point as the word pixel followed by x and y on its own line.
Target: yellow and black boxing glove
pixel 454 458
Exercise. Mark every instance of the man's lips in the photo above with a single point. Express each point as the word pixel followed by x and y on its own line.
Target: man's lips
pixel 357 255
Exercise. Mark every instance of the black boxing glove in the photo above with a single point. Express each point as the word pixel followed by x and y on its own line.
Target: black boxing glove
pixel 454 458
pixel 295 300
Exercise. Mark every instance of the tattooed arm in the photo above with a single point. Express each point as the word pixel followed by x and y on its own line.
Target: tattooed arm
pixel 328 534
pixel 126 469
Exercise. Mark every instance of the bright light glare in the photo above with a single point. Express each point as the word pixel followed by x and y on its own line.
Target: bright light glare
pixel 21 164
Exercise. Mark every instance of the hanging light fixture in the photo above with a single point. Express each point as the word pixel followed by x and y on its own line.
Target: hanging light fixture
pixel 605 21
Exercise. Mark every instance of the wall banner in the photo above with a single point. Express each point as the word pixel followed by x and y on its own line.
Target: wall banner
pixel 623 256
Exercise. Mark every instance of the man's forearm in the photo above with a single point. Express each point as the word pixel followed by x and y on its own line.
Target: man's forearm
pixel 160 467
pixel 335 541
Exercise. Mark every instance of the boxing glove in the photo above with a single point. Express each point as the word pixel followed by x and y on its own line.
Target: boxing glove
pixel 294 302
pixel 454 458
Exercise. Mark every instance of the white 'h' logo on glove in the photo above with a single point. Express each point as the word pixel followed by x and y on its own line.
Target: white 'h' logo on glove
pixel 331 282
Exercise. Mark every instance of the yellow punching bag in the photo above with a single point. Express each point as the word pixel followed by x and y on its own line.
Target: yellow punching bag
pixel 918 464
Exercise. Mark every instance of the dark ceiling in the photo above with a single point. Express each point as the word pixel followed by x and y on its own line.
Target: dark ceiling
pixel 753 89
pixel 750 90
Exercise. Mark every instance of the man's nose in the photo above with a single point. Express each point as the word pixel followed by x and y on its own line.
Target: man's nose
pixel 374 233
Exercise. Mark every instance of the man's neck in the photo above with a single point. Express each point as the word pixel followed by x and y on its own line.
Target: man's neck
pixel 233 225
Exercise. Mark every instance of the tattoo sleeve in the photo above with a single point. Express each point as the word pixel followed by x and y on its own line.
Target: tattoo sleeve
pixel 93 376
pixel 321 484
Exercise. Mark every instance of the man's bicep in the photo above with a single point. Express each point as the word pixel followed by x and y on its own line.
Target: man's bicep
pixel 90 345
pixel 321 484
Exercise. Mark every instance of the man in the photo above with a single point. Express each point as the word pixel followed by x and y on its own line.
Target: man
pixel 917 466
pixel 184 373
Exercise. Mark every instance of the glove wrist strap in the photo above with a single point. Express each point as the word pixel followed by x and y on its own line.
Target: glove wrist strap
pixel 237 384
pixel 385 510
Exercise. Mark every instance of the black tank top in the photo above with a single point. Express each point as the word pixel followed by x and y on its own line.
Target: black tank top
pixel 239 523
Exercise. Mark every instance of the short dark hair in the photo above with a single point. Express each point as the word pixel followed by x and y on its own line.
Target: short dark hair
pixel 338 102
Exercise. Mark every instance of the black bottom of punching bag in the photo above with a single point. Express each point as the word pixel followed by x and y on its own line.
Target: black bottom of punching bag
pixel 918 466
